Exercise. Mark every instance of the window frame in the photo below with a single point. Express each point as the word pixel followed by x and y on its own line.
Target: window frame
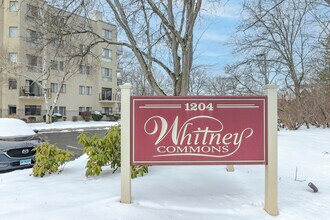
pixel 11 56
pixel 82 90
pixel 12 84
pixel 107 54
pixel 106 74
pixel 33 109
pixel 89 90
pixel 15 5
pixel 63 88
pixel 10 30
pixel 53 87
pixel 107 34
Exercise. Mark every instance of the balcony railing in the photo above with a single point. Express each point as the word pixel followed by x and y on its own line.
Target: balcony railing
pixel 30 91
pixel 107 97
pixel 36 69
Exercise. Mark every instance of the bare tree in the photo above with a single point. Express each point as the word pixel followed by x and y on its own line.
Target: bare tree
pixel 159 33
pixel 199 80
pixel 221 85
pixel 286 33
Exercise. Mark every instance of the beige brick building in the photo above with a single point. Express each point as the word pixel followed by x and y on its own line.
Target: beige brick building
pixel 92 87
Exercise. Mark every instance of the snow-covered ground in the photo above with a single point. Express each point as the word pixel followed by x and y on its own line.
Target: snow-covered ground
pixel 69 125
pixel 179 192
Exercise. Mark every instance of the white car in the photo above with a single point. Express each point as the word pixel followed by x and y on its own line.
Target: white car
pixel 17 139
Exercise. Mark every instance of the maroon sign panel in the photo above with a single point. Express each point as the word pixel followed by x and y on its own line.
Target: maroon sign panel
pixel 198 130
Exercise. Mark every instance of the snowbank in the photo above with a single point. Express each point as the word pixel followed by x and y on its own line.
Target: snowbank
pixel 179 192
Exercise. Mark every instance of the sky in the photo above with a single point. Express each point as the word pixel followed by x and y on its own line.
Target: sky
pixel 215 29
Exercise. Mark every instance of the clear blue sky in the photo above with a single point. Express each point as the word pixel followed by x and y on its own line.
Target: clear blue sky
pixel 215 29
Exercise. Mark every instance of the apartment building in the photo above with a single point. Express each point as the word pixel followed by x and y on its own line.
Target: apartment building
pixel 92 85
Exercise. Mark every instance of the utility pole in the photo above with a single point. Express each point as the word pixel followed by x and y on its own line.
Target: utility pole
pixel 264 67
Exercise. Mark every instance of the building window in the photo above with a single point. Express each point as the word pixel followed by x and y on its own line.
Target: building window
pixel 107 110
pixel 12 84
pixel 12 110
pixel 33 11
pixel 81 69
pixel 53 87
pixel 62 110
pixel 81 109
pixel 32 36
pixel 106 94
pixel 88 70
pixel 33 60
pixel 33 110
pixel 13 32
pixel 88 90
pixel 88 109
pixel 54 65
pixel 61 67
pixel 81 90
pixel 34 63
pixel 13 57
pixel 106 54
pixel 85 69
pixel 106 74
pixel 13 5
pixel 107 34
pixel 63 88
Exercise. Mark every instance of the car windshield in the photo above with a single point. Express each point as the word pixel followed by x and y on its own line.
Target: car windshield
pixel 25 138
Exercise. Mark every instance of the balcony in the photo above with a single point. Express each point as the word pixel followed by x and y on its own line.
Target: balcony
pixel 107 98
pixel 35 69
pixel 30 92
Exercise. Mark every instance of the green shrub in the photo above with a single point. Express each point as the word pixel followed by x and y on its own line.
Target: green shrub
pixel 105 152
pixel 55 117
pixel 32 119
pixel 138 170
pixel 114 116
pixel 97 116
pixel 74 118
pixel 49 159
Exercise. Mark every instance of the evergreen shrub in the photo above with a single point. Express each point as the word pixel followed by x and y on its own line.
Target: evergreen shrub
pixel 50 159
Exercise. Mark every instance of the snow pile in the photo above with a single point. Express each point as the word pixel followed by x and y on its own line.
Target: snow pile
pixel 62 125
pixel 179 192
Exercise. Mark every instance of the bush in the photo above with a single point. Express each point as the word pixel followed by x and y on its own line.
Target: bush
pixel 86 116
pixel 138 170
pixel 97 116
pixel 114 117
pixel 105 152
pixel 55 117
pixel 74 118
pixel 49 158
pixel 32 119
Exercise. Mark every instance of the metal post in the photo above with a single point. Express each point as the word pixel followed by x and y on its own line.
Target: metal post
pixel 271 169
pixel 230 168
pixel 125 144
